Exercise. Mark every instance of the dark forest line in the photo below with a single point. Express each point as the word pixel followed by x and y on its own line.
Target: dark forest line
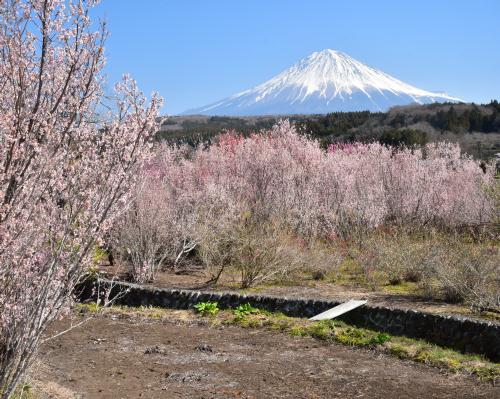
pixel 475 127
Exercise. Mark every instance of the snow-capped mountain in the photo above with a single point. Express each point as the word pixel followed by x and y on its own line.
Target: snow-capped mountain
pixel 326 81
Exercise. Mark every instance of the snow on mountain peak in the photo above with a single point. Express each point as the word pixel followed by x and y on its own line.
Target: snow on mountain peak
pixel 325 81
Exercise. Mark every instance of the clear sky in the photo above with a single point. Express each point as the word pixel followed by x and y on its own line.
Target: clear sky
pixel 197 52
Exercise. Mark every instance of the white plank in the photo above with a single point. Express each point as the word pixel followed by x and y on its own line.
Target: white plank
pixel 338 310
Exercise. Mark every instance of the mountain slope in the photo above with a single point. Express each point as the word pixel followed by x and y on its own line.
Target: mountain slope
pixel 323 82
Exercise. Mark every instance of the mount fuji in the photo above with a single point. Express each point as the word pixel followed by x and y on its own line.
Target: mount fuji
pixel 325 81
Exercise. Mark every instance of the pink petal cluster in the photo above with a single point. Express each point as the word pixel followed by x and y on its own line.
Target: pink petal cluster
pixel 283 177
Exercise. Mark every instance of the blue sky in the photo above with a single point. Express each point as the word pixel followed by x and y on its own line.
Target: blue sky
pixel 197 52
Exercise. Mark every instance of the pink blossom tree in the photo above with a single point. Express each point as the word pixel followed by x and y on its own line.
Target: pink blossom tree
pixel 281 177
pixel 65 170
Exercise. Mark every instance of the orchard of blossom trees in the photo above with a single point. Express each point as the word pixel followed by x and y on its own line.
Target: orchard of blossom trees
pixel 272 203
pixel 73 178
pixel 65 171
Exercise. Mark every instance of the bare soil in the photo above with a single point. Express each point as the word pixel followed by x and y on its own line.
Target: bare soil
pixel 120 356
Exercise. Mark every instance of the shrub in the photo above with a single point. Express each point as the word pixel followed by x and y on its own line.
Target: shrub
pixel 465 272
pixel 245 309
pixel 216 241
pixel 259 253
pixel 262 253
pixel 140 238
pixel 391 258
pixel 207 308
pixel 445 266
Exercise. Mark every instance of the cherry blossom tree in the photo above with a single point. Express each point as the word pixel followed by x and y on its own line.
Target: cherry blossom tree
pixel 285 179
pixel 65 166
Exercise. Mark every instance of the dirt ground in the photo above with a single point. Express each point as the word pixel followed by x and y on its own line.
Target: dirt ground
pixel 116 356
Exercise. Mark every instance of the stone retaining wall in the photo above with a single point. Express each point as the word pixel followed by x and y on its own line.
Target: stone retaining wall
pixel 454 332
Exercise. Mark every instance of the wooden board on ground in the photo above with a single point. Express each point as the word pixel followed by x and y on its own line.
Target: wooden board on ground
pixel 338 310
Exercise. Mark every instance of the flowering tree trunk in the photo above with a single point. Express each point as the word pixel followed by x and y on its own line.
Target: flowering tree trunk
pixel 64 171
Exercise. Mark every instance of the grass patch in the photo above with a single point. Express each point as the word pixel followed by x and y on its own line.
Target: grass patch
pixel 91 307
pixel 350 274
pixel 444 358
pixel 149 312
pixel 23 391
pixel 487 315
pixel 403 288
pixel 353 336
pixel 339 332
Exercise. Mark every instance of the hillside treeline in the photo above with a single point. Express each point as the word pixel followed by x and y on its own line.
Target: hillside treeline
pixel 475 127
